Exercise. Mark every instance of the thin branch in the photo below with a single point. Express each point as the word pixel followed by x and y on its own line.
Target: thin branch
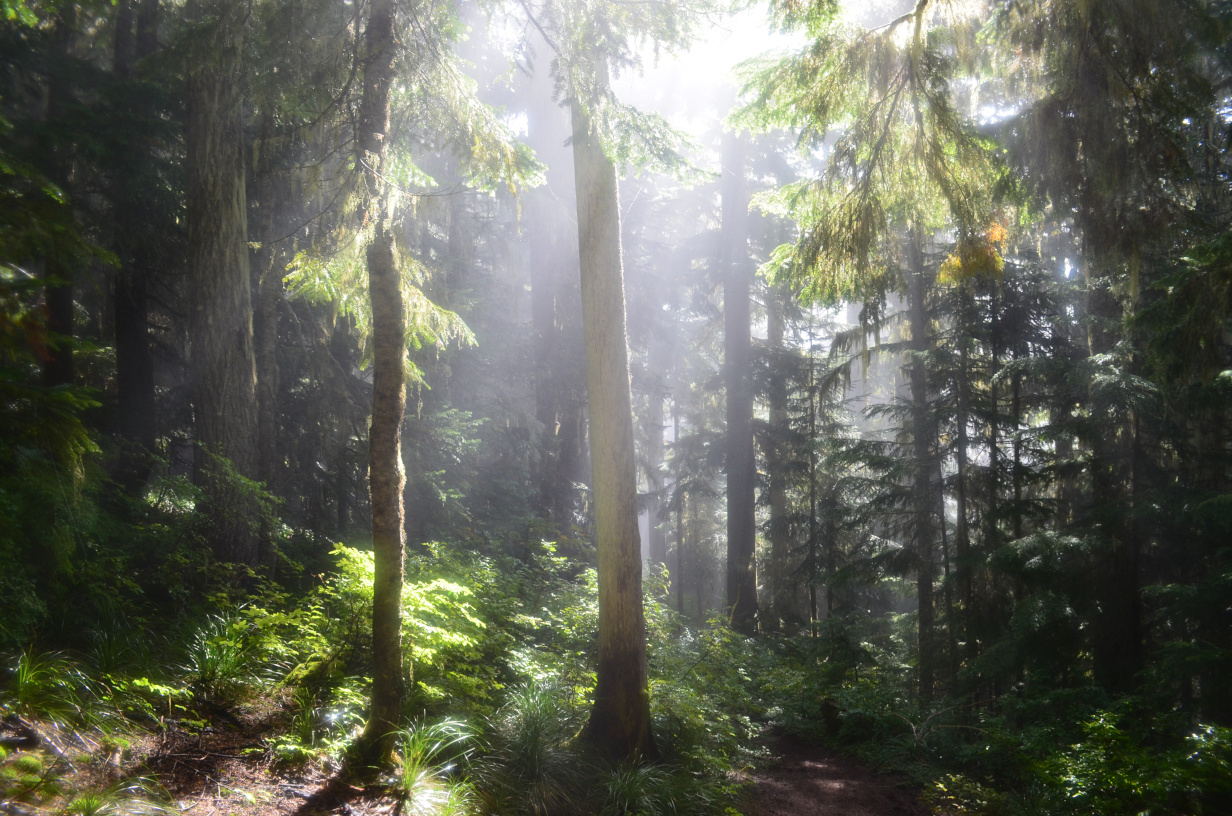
pixel 535 23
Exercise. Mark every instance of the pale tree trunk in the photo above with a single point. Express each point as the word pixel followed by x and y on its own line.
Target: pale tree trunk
pixel 620 719
pixel 386 476
pixel 738 374
pixel 222 361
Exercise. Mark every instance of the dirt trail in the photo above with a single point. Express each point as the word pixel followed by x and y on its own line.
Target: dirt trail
pixel 808 781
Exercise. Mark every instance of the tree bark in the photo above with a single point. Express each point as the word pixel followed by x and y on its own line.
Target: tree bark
pixel 620 720
pixel 222 361
pixel 738 373
pixel 386 475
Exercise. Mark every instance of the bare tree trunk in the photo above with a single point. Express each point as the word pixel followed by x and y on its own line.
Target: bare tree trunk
pixel 738 373
pixel 386 475
pixel 223 365
pixel 620 720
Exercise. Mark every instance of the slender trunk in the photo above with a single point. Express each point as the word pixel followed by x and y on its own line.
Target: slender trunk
pixel 962 531
pixel 655 454
pixel 1016 451
pixel 222 362
pixel 776 464
pixel 620 719
pixel 738 376
pixel 991 532
pixel 950 627
pixel 921 438
pixel 812 489
pixel 681 496
pixel 386 475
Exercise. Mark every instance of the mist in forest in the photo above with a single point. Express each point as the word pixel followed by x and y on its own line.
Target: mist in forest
pixel 564 407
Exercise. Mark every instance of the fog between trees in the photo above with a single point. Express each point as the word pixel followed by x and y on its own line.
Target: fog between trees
pixel 889 341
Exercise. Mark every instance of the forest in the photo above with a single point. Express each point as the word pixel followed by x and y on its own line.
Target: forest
pixel 615 407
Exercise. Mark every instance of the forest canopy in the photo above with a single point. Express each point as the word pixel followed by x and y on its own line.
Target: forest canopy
pixel 579 406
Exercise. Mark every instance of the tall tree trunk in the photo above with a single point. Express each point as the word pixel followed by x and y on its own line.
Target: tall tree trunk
pixel 222 361
pixel 134 361
pixel 386 475
pixel 962 531
pixel 776 464
pixel 680 496
pixel 921 439
pixel 620 720
pixel 738 374
pixel 813 527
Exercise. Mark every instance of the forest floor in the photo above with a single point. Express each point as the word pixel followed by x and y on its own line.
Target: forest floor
pixel 806 780
pixel 224 769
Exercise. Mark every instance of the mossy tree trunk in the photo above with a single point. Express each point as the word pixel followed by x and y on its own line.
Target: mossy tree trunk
pixel 386 475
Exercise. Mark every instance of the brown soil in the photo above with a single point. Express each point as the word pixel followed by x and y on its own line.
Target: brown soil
pixel 810 781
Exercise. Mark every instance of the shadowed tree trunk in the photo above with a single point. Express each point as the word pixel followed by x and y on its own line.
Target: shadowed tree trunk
pixel 386 477
pixel 222 362
pixel 620 720
pixel 134 361
pixel 738 373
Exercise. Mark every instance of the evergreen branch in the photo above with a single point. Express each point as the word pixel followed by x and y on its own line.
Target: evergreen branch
pixel 530 16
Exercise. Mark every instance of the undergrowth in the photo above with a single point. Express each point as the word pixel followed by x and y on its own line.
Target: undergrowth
pixel 1045 749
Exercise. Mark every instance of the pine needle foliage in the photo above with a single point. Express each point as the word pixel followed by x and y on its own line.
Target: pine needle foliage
pixel 878 106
